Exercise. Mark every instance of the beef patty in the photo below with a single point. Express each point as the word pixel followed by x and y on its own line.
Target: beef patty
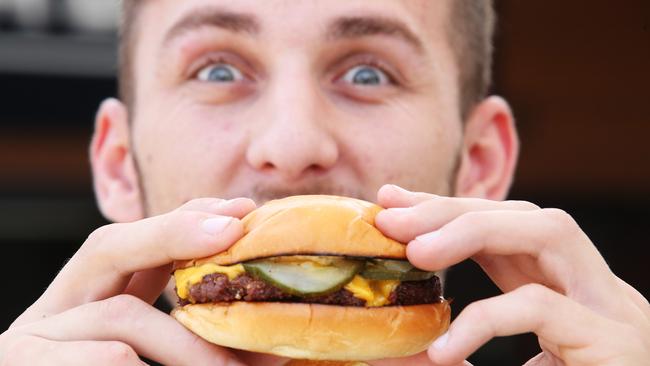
pixel 217 287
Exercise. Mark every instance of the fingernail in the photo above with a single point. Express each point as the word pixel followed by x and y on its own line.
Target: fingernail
pixel 228 203
pixel 216 225
pixel 428 237
pixel 441 342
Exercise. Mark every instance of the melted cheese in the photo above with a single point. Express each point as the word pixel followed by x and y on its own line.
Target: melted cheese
pixel 374 292
pixel 187 277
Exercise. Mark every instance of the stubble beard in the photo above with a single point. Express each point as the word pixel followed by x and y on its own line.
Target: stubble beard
pixel 261 193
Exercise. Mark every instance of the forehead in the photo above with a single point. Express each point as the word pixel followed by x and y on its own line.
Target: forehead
pixel 424 18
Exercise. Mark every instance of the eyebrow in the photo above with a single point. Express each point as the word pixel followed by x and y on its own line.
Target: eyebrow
pixel 341 28
pixel 358 27
pixel 214 17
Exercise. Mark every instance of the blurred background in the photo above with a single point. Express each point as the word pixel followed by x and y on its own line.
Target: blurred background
pixel 576 73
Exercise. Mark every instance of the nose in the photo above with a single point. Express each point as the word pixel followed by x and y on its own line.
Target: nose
pixel 292 139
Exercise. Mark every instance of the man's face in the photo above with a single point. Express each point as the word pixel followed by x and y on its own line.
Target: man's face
pixel 270 98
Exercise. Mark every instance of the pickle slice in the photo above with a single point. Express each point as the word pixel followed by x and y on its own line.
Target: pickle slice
pixel 305 275
pixel 385 269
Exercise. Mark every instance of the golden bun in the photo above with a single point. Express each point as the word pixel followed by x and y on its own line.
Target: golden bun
pixel 318 332
pixel 316 224
pixel 324 363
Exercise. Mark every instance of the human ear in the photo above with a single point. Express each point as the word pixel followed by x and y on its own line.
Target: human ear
pixel 489 153
pixel 115 176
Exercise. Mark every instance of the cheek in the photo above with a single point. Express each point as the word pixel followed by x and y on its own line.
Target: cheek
pixel 187 153
pixel 414 147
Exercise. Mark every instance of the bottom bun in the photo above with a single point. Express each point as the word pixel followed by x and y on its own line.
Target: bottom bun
pixel 318 332
pixel 324 363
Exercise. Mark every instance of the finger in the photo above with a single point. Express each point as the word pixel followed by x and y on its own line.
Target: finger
pixel 237 207
pixel 127 319
pixel 159 240
pixel 559 254
pixel 37 351
pixel 542 359
pixel 391 195
pixel 127 248
pixel 405 223
pixel 502 233
pixel 569 325
pixel 420 359
pixel 103 266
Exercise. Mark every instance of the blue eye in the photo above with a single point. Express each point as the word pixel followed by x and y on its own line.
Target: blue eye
pixel 220 73
pixel 366 75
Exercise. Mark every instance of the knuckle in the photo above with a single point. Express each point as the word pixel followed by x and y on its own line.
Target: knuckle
pixel 118 353
pixel 98 247
pixel 561 224
pixel 629 339
pixel 100 233
pixel 473 219
pixel 538 295
pixel 559 218
pixel 630 332
pixel 477 310
pixel 443 203
pixel 431 205
pixel 479 313
pixel 5 337
pixel 636 337
pixel 523 205
pixel 176 219
pixel 201 202
pixel 18 351
pixel 164 223
pixel 99 237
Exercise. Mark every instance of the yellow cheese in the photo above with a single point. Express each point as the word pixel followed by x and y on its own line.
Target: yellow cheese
pixel 187 277
pixel 374 292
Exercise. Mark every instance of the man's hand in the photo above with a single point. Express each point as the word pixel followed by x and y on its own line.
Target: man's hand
pixel 98 311
pixel 555 282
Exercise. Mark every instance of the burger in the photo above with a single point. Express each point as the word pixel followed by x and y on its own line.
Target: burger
pixel 324 363
pixel 313 278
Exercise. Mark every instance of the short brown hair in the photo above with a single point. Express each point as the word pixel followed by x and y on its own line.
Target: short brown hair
pixel 126 37
pixel 470 31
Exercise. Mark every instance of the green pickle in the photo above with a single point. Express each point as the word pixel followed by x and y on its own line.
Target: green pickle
pixel 386 269
pixel 305 275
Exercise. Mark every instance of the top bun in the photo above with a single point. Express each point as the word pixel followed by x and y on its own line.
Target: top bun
pixel 308 225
